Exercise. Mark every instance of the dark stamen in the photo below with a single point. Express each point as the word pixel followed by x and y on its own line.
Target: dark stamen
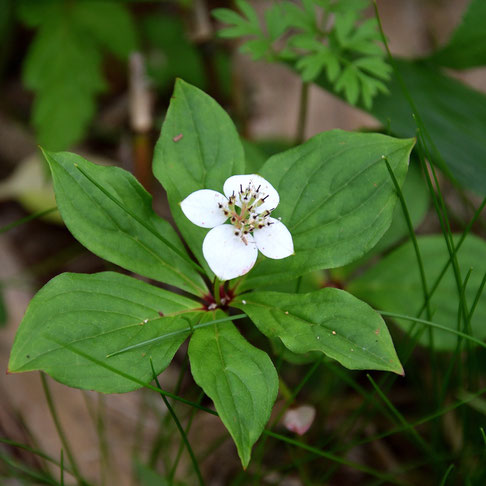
pixel 263 198
pixel 241 189
pixel 258 188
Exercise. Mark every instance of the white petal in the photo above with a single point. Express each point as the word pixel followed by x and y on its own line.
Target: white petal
pixel 201 208
pixel 226 254
pixel 274 241
pixel 299 419
pixel 237 182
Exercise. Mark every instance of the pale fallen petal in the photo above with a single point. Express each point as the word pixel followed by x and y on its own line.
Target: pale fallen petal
pixel 227 254
pixel 274 241
pixel 235 183
pixel 202 208
pixel 299 419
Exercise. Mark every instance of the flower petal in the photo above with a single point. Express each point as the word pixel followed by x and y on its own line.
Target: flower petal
pixel 299 419
pixel 274 241
pixel 201 208
pixel 226 254
pixel 237 182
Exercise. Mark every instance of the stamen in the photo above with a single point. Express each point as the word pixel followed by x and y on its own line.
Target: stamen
pixel 263 198
pixel 237 233
pixel 241 189
pixel 220 206
pixel 258 188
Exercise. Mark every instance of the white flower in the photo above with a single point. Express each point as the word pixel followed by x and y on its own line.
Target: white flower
pixel 231 249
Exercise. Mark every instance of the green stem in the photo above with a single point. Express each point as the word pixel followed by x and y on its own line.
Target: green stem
pixel 181 447
pixel 411 231
pixel 30 217
pixel 60 430
pixel 179 427
pixel 216 291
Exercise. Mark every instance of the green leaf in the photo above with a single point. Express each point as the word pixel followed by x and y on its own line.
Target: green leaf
pixel 66 81
pixel 330 321
pixel 241 26
pixel 167 59
pixel 257 48
pixel 375 66
pixel 453 114
pixel 275 21
pixel 97 315
pixel 199 148
pixel 118 35
pixel 239 378
pixel 64 104
pixel 348 83
pixel 249 13
pixel 111 214
pixel 467 46
pixel 417 199
pixel 336 198
pixel 394 285
pixel 296 17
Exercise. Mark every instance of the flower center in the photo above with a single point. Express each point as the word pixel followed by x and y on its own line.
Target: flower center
pixel 245 216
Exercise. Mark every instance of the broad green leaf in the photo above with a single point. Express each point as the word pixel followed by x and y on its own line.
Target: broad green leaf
pixel 394 285
pixel 467 46
pixel 199 148
pixel 417 199
pixel 100 314
pixel 336 198
pixel 453 114
pixel 330 321
pixel 239 378
pixel 111 214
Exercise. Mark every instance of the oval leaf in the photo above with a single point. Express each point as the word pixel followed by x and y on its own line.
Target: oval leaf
pixel 97 315
pixel 336 198
pixel 239 378
pixel 328 320
pixel 199 148
pixel 111 214
pixel 394 285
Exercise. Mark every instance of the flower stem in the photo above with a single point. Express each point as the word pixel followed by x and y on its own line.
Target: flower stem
pixel 217 293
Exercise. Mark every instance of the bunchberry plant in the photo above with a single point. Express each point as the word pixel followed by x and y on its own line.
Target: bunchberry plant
pixel 111 332
pixel 328 38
